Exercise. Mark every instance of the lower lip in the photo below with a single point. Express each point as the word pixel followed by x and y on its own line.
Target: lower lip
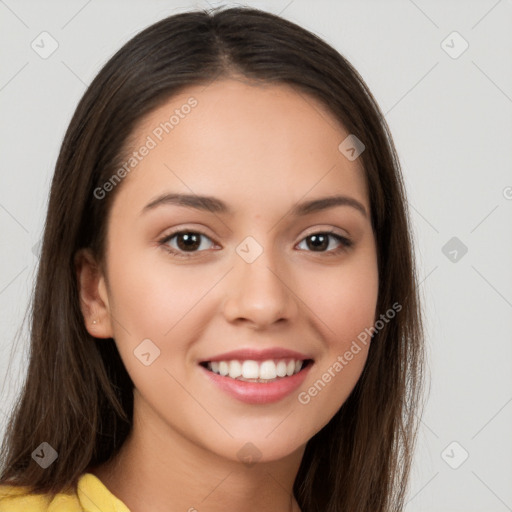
pixel 258 392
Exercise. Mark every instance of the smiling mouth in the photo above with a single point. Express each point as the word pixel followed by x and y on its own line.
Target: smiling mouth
pixel 266 371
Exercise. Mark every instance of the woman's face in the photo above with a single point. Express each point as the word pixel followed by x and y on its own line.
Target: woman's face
pixel 255 270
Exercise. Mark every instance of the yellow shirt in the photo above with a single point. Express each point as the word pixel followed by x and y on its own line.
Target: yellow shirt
pixel 91 496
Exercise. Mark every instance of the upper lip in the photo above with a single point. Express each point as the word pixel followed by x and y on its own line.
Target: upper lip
pixel 258 355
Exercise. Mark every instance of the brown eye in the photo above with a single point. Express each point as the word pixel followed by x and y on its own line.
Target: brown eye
pixel 320 242
pixel 185 242
pixel 188 241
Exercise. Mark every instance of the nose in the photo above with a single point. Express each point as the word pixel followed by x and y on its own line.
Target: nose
pixel 259 293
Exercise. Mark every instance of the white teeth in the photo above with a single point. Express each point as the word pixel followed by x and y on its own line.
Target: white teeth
pixel 223 368
pixel 253 370
pixel 281 369
pixel 250 370
pixel 268 370
pixel 235 369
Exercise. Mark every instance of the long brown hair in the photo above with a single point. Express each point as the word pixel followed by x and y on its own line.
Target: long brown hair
pixel 77 395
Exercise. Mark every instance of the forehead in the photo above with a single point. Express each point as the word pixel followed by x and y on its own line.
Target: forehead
pixel 258 144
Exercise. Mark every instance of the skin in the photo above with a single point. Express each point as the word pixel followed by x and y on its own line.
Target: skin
pixel 261 149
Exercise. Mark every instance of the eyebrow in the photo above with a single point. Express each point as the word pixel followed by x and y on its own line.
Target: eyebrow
pixel 214 205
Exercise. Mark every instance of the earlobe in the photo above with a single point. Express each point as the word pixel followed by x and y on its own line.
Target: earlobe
pixel 93 295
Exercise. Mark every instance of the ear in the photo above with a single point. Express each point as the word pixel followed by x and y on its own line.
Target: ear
pixel 93 295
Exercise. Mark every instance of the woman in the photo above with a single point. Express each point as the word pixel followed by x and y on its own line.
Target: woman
pixel 226 312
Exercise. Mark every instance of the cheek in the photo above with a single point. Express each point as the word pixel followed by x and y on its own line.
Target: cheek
pixel 344 299
pixel 344 302
pixel 153 296
pixel 160 302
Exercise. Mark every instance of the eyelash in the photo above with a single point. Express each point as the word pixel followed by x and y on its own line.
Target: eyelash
pixel 345 243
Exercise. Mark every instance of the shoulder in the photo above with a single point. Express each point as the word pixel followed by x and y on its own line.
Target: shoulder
pixel 14 499
pixel 20 499
pixel 91 496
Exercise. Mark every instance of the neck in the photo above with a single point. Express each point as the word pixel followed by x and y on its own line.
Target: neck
pixel 163 471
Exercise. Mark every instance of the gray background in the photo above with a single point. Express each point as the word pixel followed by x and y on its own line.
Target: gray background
pixel 451 122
